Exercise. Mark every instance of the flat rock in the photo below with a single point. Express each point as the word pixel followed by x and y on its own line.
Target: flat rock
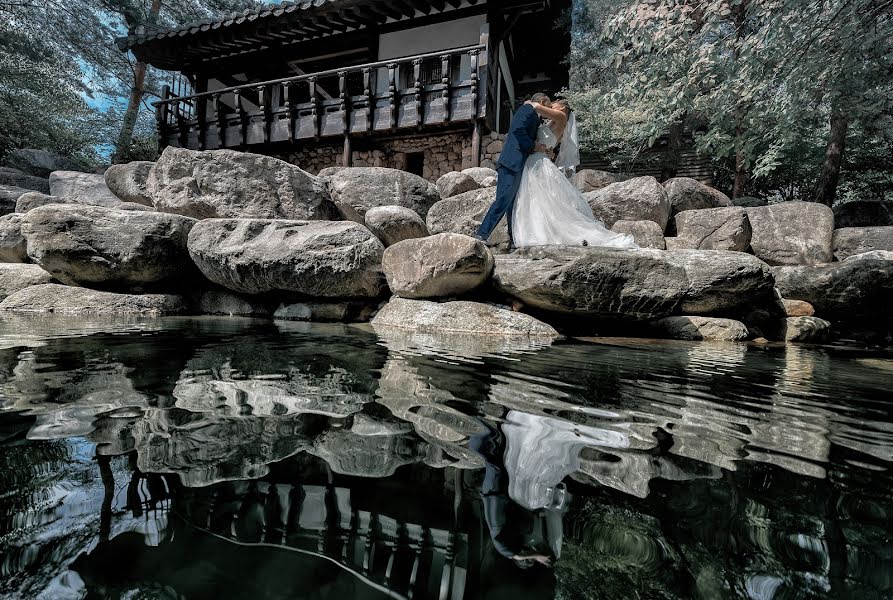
pixel 458 317
pixel 713 229
pixel 702 328
pixel 82 188
pixel 636 199
pixel 39 163
pixel 9 195
pixel 357 189
pixel 849 241
pixel 324 259
pixel 864 213
pixel 636 284
pixel 483 175
pixel 454 183
pixel 62 299
pixel 16 178
pixel 32 200
pixel 340 312
pixel 792 233
pixel 797 308
pixel 646 234
pixel 392 224
pixel 686 193
pixel 438 266
pixel 805 329
pixel 858 287
pixel 229 184
pixel 106 248
pixel 589 180
pixel 13 248
pixel 464 214
pixel 129 181
pixel 15 277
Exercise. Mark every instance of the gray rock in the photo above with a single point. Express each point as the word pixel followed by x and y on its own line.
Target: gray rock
pixel 636 199
pixel 864 213
pixel 849 241
pixel 106 248
pixel 635 284
pixel 82 188
pixel 458 317
pixel 357 189
pixel 481 174
pixel 32 200
pixel 690 194
pixel 392 224
pixel 713 229
pixel 464 213
pixel 341 312
pixel 439 266
pixel 39 163
pixel 646 234
pixel 792 233
pixel 856 288
pixel 229 184
pixel 224 302
pixel 9 195
pixel 749 201
pixel 16 178
pixel 15 277
pixel 805 329
pixel 489 182
pixel 62 299
pixel 588 180
pixel 702 328
pixel 135 206
pixel 129 181
pixel 323 259
pixel 454 183
pixel 13 248
pixel 797 308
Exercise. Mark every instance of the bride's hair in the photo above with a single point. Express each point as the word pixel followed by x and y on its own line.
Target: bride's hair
pixel 562 105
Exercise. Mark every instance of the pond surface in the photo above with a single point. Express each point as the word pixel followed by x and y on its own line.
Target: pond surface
pixel 229 458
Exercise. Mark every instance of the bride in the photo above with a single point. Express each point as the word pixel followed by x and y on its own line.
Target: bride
pixel 549 209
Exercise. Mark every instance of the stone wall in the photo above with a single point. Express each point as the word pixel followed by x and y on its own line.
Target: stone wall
pixel 442 153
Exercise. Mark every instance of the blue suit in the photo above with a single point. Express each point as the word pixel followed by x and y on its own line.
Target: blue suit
pixel 519 143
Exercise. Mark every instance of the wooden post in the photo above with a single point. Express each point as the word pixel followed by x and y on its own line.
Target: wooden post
pixel 161 117
pixel 445 76
pixel 476 144
pixel 314 108
pixel 392 93
pixel 263 102
pixel 345 102
pixel 201 113
pixel 370 101
pixel 240 112
pixel 289 112
pixel 345 153
pixel 221 122
pixel 474 80
pixel 417 85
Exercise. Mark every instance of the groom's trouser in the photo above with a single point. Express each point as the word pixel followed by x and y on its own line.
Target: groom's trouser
pixel 507 183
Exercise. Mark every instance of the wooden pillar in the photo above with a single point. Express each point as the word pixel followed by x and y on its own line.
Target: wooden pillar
pixel 345 153
pixel 417 85
pixel 219 120
pixel 392 94
pixel 445 76
pixel 314 108
pixel 289 110
pixel 476 144
pixel 370 101
pixel 161 117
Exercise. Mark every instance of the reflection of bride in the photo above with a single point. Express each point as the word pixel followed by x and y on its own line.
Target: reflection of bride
pixel 548 208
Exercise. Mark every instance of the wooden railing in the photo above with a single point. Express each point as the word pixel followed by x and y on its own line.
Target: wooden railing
pixel 417 91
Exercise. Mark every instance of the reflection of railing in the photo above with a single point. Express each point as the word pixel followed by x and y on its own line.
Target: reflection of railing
pixel 406 559
pixel 426 89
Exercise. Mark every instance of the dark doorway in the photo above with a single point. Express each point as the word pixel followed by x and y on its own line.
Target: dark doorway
pixel 415 163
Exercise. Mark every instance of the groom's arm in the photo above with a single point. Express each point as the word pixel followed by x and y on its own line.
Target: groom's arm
pixel 526 135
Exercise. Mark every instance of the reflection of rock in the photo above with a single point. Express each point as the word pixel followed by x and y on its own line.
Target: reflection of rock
pixel 631 472
pixel 349 453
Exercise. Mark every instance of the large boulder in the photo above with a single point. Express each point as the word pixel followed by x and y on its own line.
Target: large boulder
pixel 636 284
pixel 458 317
pixel 646 234
pixel 82 188
pixel 229 184
pixel 392 224
pixel 805 329
pixel 129 181
pixel 712 229
pixel 588 180
pixel 690 194
pixel 15 277
pixel 13 248
pixel 464 214
pixel 855 288
pixel 323 259
pixel 849 241
pixel 797 308
pixel 106 248
pixel 39 163
pixel 483 175
pixel 9 195
pixel 636 199
pixel 66 300
pixel 702 328
pixel 792 233
pixel 14 177
pixel 32 200
pixel 357 189
pixel 442 265
pixel 454 183
pixel 864 213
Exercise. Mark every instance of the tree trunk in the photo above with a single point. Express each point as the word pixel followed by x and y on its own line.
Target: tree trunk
pixel 740 165
pixel 740 156
pixel 826 186
pixel 674 149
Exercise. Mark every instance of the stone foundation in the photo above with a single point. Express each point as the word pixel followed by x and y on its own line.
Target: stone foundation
pixel 441 153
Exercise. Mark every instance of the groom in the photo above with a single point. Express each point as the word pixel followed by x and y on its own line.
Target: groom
pixel 519 143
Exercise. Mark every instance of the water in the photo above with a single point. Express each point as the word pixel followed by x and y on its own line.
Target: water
pixel 229 458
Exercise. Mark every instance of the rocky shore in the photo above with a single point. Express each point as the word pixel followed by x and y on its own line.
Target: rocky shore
pixel 225 232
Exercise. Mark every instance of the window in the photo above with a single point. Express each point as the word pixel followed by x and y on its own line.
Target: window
pixel 415 163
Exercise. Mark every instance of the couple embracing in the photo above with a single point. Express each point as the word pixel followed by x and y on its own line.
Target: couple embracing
pixel 542 206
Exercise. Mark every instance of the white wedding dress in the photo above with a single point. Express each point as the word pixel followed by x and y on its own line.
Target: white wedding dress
pixel 550 210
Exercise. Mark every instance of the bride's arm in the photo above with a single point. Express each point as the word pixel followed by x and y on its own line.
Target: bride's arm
pixel 550 113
